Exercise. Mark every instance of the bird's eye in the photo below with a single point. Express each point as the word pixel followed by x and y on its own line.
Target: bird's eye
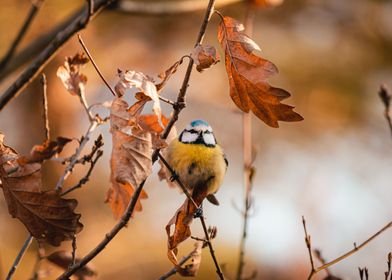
pixel 193 131
pixel 207 132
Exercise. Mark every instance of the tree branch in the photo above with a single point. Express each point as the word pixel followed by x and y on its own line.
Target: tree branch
pixel 19 257
pixel 48 53
pixel 385 97
pixel 132 203
pixel 35 6
pixel 45 107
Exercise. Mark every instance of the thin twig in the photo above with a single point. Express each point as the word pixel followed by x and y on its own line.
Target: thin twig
pixel 75 156
pixel 45 106
pixel 90 6
pixel 389 263
pixel 132 203
pixel 168 101
pixel 318 255
pixel 386 100
pixel 247 158
pixel 86 177
pixel 19 257
pixel 35 6
pixel 309 246
pixel 95 65
pixel 48 53
pixel 73 254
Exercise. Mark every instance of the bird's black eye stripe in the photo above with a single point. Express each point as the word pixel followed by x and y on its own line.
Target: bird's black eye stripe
pixel 193 131
pixel 207 132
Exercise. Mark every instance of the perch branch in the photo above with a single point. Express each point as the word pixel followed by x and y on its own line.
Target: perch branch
pixel 132 203
pixel 35 6
pixel 48 53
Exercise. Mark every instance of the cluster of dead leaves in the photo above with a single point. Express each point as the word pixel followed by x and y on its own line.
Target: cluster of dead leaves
pixel 134 135
pixel 248 73
pixel 46 215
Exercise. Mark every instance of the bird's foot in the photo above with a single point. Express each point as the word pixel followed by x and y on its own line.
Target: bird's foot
pixel 174 177
pixel 198 212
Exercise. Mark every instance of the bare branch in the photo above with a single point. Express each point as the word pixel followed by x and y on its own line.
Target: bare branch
pixel 19 257
pixel 35 6
pixel 95 65
pixel 131 206
pixel 309 246
pixel 45 107
pixel 48 53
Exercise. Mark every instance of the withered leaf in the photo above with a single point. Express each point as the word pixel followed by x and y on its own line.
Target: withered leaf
pixel 204 57
pixel 46 215
pixel 182 220
pixel 247 77
pixel 131 161
pixel 63 260
pixel 147 90
pixel 191 269
pixel 70 75
pixel 45 151
pixel 165 76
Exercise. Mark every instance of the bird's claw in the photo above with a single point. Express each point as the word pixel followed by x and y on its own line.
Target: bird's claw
pixel 198 212
pixel 174 177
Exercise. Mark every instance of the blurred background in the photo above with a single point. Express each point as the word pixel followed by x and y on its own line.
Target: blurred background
pixel 334 167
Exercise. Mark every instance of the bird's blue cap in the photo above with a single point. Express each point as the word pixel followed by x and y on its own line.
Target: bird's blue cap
pixel 199 122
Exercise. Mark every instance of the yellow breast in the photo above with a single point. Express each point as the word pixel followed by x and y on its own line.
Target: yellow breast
pixel 195 163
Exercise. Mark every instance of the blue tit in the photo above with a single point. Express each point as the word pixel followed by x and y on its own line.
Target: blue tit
pixel 198 160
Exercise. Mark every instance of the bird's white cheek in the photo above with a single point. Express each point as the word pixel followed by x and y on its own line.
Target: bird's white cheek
pixel 188 137
pixel 209 139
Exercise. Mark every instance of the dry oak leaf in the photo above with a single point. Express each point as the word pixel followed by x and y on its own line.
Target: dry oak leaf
pixel 182 220
pixel 247 77
pixel 45 151
pixel 131 161
pixel 46 215
pixel 165 76
pixel 204 57
pixel 63 259
pixel 147 89
pixel 70 75
pixel 191 269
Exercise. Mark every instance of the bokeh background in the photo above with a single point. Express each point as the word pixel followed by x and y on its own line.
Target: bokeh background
pixel 334 167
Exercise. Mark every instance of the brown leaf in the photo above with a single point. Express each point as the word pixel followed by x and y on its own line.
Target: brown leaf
pixel 204 57
pixel 131 161
pixel 45 151
pixel 182 220
pixel 190 270
pixel 63 260
pixel 46 215
pixel 165 76
pixel 247 77
pixel 147 90
pixel 70 75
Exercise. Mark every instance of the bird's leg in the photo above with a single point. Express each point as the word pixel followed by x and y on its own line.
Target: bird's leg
pixel 198 212
pixel 174 176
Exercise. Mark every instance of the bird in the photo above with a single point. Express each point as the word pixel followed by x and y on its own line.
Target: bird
pixel 198 161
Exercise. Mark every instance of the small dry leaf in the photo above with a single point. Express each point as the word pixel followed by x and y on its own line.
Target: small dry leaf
pixel 247 77
pixel 63 260
pixel 204 57
pixel 46 215
pixel 165 76
pixel 190 270
pixel 182 220
pixel 131 161
pixel 147 90
pixel 70 75
pixel 45 151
